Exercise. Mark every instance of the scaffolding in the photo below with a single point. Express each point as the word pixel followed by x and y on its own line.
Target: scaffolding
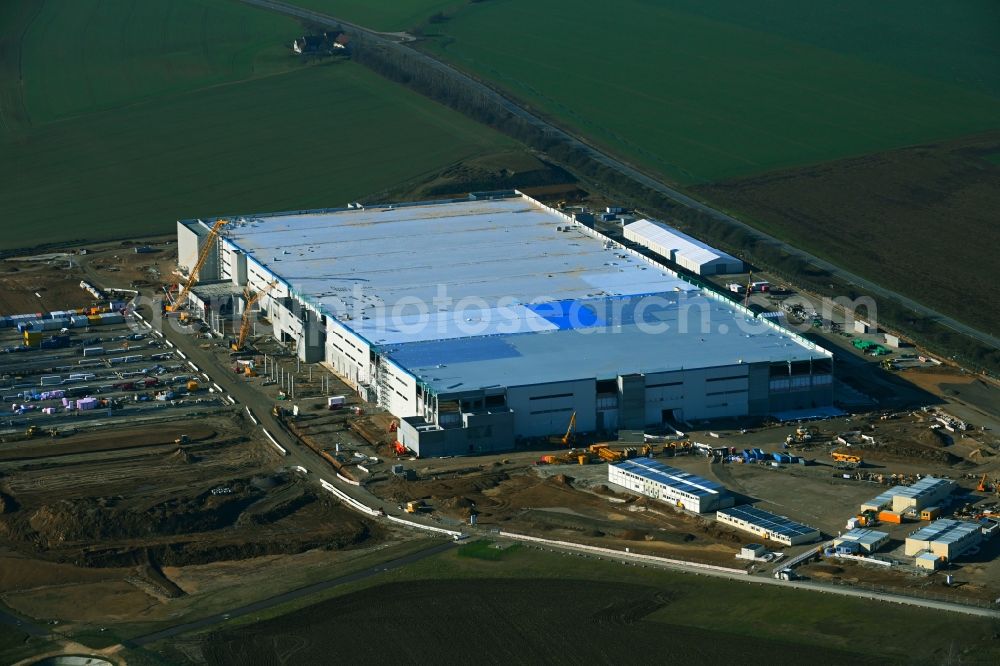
pixel 383 388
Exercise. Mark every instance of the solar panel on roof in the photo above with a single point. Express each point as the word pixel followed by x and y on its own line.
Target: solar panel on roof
pixel 944 531
pixel 671 476
pixel 768 521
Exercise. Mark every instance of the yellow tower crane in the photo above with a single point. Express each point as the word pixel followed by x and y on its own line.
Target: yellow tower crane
pixel 206 249
pixel 250 299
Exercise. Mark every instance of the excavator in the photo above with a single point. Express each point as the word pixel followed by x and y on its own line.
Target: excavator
pixel 206 250
pixel 985 485
pixel 249 299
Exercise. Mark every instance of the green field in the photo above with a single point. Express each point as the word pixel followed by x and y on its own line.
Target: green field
pixel 538 606
pixel 709 91
pixel 174 128
pixel 386 15
pixel 83 56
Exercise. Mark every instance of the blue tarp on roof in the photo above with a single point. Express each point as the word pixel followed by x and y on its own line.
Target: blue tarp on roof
pixel 451 352
pixel 567 315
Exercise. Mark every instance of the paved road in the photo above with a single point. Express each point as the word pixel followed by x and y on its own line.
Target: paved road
pixel 250 395
pixel 633 172
pixel 800 585
pixel 264 604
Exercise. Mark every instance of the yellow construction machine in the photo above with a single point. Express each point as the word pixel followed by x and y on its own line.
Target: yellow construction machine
pixel 568 437
pixel 206 250
pixel 846 457
pixel 250 299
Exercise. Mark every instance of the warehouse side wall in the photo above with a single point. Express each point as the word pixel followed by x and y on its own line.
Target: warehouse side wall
pixel 191 235
pixel 545 409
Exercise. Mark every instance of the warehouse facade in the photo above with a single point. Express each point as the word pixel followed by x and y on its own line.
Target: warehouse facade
pixel 767 525
pixel 670 485
pixel 928 491
pixel 685 251
pixel 483 320
pixel 942 541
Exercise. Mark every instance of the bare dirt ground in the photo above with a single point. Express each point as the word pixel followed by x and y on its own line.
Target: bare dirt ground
pixel 555 503
pixel 977 398
pixel 921 220
pixel 55 276
pixel 88 535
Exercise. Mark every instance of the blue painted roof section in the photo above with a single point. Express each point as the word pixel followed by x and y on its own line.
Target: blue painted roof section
pixel 451 352
pixel 636 337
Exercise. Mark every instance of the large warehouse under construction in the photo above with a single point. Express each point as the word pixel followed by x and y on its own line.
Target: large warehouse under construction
pixel 483 320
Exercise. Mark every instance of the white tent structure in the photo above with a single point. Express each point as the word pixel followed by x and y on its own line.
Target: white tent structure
pixel 683 250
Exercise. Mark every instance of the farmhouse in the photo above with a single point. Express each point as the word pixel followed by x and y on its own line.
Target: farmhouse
pixel 482 320
pixel 320 44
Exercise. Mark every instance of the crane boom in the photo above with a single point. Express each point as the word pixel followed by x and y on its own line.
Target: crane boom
pixel 569 430
pixel 202 258
pixel 250 299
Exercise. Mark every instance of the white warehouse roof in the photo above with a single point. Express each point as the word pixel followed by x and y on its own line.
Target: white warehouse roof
pixel 531 297
pixel 678 246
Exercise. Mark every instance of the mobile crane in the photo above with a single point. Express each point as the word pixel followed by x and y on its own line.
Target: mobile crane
pixel 849 458
pixel 206 249
pixel 568 437
pixel 250 299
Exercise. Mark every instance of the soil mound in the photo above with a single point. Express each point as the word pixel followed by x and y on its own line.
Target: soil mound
pixel 7 504
pixel 561 480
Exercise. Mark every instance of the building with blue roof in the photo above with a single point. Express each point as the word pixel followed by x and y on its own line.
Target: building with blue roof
pixel 669 484
pixel 482 320
pixel 768 525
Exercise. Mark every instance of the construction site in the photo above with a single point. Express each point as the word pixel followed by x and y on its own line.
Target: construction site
pixel 169 447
